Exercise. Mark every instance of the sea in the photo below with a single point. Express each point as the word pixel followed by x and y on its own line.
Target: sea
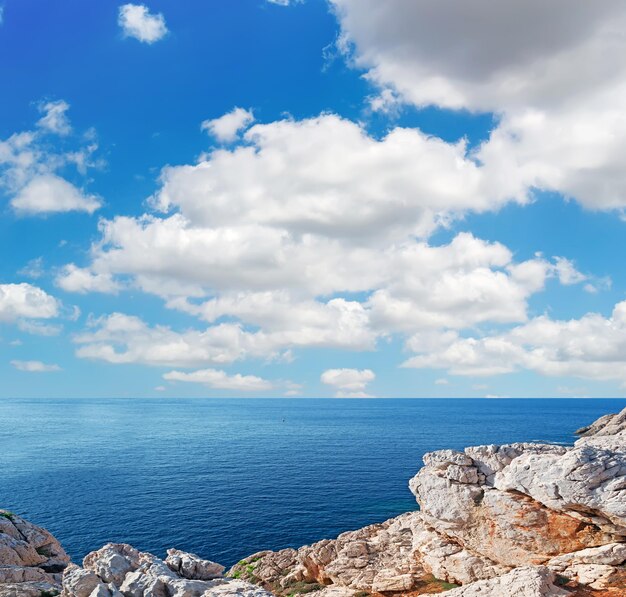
pixel 224 478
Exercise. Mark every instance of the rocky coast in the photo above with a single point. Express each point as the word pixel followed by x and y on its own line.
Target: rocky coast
pixel 517 520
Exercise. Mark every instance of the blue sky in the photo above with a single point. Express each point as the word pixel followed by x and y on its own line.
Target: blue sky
pixel 343 198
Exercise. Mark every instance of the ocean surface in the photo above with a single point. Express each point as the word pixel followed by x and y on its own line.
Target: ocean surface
pixel 226 478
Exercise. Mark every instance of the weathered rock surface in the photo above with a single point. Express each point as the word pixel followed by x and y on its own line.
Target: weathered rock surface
pixel 521 582
pixel 118 570
pixel 31 559
pixel 519 520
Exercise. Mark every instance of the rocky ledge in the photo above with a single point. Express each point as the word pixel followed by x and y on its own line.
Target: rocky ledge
pixel 519 520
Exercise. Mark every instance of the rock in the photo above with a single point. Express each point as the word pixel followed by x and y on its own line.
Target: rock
pixel 508 528
pixel 31 559
pixel 521 582
pixel 598 568
pixel 586 482
pixel 190 566
pixel 28 589
pixel 118 570
pixel 491 459
pixel 112 562
pixel 394 556
pixel 608 425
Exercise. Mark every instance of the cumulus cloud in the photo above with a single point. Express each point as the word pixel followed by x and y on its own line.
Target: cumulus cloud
pixel 592 347
pixel 34 366
pixel 23 300
pixel 560 129
pixel 215 378
pixel 76 279
pixel 54 117
pixel 120 338
pixel 138 22
pixel 49 193
pixel 29 167
pixel 349 383
pixel 226 127
pixel 312 234
pixel 327 176
pixel 308 233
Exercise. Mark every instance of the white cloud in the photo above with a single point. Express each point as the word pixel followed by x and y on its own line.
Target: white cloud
pixel 559 128
pixel 309 234
pixel 220 380
pixel 39 329
pixel 326 176
pixel 34 366
pixel 49 193
pixel 349 383
pixel 121 338
pixel 29 165
pixel 54 117
pixel 567 272
pixel 75 279
pixel 137 21
pixel 226 127
pixel 19 301
pixel 592 347
pixel 33 269
pixel 442 381
pixel 285 2
pixel 484 57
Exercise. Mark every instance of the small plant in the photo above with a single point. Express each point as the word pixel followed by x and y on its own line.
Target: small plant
pixel 7 514
pixel 361 594
pixel 445 585
pixel 49 593
pixel 302 588
pixel 561 580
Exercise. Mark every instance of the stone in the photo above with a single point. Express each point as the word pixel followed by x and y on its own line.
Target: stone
pixel 587 482
pixel 118 570
pixel 190 566
pixel 30 557
pixel 521 582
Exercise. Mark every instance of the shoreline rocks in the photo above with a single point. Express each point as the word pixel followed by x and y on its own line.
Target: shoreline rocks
pixel 518 520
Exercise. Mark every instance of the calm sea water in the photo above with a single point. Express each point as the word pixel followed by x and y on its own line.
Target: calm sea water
pixel 225 478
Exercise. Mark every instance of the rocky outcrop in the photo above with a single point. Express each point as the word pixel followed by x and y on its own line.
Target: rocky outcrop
pixel 31 559
pixel 119 570
pixel 519 520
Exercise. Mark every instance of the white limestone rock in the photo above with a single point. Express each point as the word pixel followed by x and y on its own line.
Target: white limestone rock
pixel 587 482
pixel 120 570
pixel 520 582
pixel 189 565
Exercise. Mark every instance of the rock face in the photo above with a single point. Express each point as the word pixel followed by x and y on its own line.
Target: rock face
pixel 31 559
pixel 519 520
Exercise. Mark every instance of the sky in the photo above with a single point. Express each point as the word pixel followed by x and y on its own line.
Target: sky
pixel 313 198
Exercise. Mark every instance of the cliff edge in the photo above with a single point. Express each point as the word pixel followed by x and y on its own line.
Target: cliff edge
pixel 518 520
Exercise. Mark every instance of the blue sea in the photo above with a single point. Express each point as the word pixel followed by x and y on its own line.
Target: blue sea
pixel 226 478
